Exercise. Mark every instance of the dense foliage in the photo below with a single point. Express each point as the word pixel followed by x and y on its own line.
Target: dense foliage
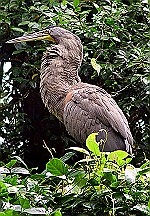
pixel 115 37
pixel 100 184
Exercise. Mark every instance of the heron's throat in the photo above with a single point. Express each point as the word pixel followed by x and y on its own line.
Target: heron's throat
pixel 62 62
pixel 59 72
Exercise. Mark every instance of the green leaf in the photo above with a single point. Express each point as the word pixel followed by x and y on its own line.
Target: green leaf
pixel 11 163
pixel 93 145
pixel 24 23
pixel 109 21
pixel 146 164
pixel 18 51
pixel 121 162
pixel 34 75
pixel 67 156
pixel 128 160
pixel 144 171
pixel 96 66
pixel 64 2
pixel 76 173
pixel 9 213
pixel 44 7
pixel 24 202
pixel 117 155
pixel 114 184
pixel 17 29
pixel 38 177
pixel 109 176
pixel 56 167
pixel 57 213
pixel 76 3
pixel 3 188
pixel 80 180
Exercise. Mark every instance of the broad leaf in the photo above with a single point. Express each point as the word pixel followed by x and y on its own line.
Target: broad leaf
pixel 92 144
pixel 117 155
pixel 76 3
pixel 96 66
pixel 56 167
pixel 11 163
pixel 24 202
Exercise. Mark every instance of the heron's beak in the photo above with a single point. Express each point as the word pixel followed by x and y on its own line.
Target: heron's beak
pixel 41 35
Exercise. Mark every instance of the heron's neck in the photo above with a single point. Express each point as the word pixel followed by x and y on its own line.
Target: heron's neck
pixel 59 72
pixel 62 64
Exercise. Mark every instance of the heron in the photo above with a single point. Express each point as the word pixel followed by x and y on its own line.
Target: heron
pixel 83 108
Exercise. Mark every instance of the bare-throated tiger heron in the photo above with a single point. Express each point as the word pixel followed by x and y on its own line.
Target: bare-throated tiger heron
pixel 83 108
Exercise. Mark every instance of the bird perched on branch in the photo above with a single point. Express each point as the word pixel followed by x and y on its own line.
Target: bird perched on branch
pixel 83 108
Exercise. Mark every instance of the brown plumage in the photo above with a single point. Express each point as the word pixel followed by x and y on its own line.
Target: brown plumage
pixel 83 108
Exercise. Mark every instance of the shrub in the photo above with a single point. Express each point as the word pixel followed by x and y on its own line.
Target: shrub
pixel 100 184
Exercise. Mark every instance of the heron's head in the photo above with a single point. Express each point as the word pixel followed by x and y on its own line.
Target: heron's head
pixel 56 35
